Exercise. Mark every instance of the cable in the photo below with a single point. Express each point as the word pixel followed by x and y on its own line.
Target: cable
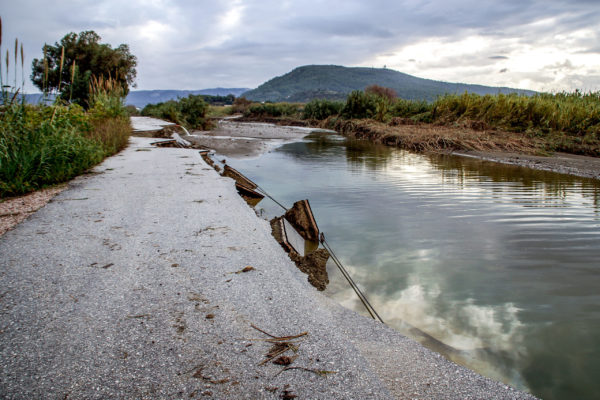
pixel 269 196
pixel 353 284
pixel 338 263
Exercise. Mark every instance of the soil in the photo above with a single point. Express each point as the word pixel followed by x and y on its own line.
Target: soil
pixel 314 265
pixel 236 139
pixel 14 210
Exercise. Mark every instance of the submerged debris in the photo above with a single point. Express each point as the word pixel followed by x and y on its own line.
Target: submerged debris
pixel 303 220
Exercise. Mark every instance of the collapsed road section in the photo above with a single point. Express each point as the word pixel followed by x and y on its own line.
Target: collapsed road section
pixel 151 278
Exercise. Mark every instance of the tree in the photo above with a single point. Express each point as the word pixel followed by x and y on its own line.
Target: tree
pixel 381 91
pixel 84 57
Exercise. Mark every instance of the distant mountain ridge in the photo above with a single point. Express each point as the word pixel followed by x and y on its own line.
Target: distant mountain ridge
pixel 141 98
pixel 335 82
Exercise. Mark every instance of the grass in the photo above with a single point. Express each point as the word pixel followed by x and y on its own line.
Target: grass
pixel 287 110
pixel 219 111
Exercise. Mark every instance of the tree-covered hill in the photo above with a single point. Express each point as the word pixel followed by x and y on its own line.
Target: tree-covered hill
pixel 335 82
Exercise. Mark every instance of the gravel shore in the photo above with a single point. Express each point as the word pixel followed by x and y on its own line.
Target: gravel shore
pixel 129 284
pixel 571 164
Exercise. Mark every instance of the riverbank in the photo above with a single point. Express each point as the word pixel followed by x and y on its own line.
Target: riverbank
pixel 131 285
pixel 469 140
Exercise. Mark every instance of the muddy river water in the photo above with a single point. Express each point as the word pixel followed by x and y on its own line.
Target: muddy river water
pixel 496 267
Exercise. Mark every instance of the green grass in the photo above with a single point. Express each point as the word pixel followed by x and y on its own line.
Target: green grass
pixel 219 111
pixel 288 110
pixel 46 145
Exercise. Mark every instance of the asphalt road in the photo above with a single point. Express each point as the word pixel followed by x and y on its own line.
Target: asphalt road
pixel 125 286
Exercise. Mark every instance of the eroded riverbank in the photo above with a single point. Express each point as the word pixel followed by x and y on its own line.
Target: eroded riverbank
pixel 462 254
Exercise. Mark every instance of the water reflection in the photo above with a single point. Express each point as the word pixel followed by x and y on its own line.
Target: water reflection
pixel 494 266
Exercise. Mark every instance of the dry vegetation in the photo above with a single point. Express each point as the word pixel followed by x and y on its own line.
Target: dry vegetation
pixel 429 137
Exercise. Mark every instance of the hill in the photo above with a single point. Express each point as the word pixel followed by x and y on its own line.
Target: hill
pixel 335 82
pixel 140 98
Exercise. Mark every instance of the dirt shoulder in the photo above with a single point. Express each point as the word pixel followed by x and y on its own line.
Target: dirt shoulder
pixel 14 210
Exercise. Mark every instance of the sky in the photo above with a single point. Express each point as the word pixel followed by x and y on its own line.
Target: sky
pixel 544 45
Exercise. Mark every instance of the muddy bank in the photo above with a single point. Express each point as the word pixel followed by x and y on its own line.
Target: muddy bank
pixel 571 164
pixel 237 139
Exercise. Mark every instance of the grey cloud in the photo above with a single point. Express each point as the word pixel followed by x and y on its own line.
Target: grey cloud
pixel 567 65
pixel 503 70
pixel 274 37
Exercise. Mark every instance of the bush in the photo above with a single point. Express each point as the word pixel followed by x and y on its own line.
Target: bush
pixel 241 105
pixel 132 110
pixel 44 145
pixel 273 110
pixel 189 112
pixel 359 105
pixel 193 112
pixel 409 108
pixel 380 91
pixel 322 109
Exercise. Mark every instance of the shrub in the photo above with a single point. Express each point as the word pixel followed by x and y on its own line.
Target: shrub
pixel 322 109
pixel 273 110
pixel 240 105
pixel 409 108
pixel 359 105
pixel 132 110
pixel 380 91
pixel 193 112
pixel 189 112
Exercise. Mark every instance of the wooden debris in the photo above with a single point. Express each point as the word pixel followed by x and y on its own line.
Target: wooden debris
pixel 245 269
pixel 238 177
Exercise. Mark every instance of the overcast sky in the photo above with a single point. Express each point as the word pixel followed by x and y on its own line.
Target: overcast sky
pixel 545 45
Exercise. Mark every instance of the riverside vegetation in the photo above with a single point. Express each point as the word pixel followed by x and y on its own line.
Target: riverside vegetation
pixel 193 111
pixel 42 145
pixel 537 124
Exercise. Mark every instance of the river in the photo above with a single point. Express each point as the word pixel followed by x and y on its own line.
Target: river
pixel 497 267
